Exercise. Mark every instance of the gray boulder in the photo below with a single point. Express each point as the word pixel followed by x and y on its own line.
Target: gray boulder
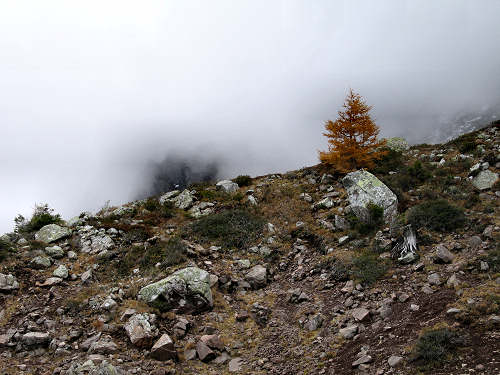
pixel 51 233
pixel 201 209
pixel 397 144
pixel 257 277
pixel 485 180
pixel 168 196
pixel 40 262
pixel 36 338
pixel 184 200
pixel 443 255
pixel 61 272
pixel 227 186
pixel 164 349
pixel 54 251
pixel 364 188
pixel 140 331
pixel 8 283
pixel 187 290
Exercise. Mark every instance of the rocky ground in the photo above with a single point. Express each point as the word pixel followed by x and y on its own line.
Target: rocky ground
pixel 297 273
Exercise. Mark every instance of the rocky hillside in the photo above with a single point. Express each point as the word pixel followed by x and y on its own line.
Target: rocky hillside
pixel 388 271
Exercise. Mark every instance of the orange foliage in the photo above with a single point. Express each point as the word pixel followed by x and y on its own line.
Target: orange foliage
pixel 352 138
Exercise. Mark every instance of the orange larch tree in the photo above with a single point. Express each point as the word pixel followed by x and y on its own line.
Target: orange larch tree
pixel 352 137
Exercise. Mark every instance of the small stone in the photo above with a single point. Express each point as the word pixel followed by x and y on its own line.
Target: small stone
pixel 242 316
pixel 257 277
pixel 54 252
pixel 362 360
pixel 213 342
pixel 349 331
pixel 40 262
pixel 484 266
pixel 139 330
pixel 443 255
pixel 86 276
pixel 434 279
pixel 205 354
pixel 394 360
pixel 343 240
pixel 235 364
pixel 109 304
pixel 61 272
pixel 414 307
pixel 453 311
pixel 164 349
pixel 360 314
pixel 453 281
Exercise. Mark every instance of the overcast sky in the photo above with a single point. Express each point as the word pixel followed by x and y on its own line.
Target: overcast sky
pixel 93 91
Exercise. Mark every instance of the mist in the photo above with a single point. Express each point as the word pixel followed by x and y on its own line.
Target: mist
pixel 95 94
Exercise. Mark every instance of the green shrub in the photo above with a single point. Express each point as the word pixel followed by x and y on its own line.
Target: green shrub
pixel 337 269
pixel 392 161
pixel 151 204
pixel 168 253
pixel 42 215
pixel 436 215
pixel 465 143
pixel 493 259
pixel 230 228
pixel 5 249
pixel 136 235
pixel 368 268
pixel 375 220
pixel 434 347
pixel 243 180
pixel 418 171
pixel 166 210
pixel 175 252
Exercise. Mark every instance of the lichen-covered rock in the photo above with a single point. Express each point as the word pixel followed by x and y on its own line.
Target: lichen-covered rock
pixel 52 232
pixel 140 331
pixel 485 180
pixel 364 188
pixel 227 186
pixel 185 290
pixel 8 283
pixel 201 209
pixel 184 200
pixel 61 272
pixel 54 251
pixel 397 144
pixel 168 196
pixel 40 262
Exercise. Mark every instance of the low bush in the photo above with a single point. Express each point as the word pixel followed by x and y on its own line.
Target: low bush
pixel 42 215
pixel 436 215
pixel 392 161
pixel 434 347
pixel 465 143
pixel 166 210
pixel 5 249
pixel 368 268
pixel 230 228
pixel 243 180
pixel 375 220
pixel 493 259
pixel 168 254
pixel 419 172
pixel 337 269
pixel 136 235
